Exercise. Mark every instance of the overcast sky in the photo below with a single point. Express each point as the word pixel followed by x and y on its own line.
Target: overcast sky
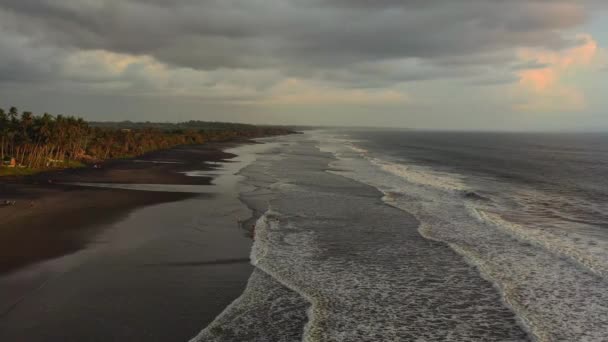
pixel 453 64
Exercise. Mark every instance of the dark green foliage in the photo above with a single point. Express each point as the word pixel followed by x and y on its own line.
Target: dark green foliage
pixel 47 141
pixel 176 127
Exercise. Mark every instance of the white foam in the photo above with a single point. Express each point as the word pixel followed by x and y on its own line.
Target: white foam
pixel 421 175
pixel 361 281
pixel 556 286
pixel 590 252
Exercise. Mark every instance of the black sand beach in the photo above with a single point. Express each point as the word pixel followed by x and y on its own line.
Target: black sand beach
pixel 49 217
pixel 98 264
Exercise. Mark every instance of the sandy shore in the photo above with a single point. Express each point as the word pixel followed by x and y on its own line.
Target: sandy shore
pixel 50 219
pixel 98 264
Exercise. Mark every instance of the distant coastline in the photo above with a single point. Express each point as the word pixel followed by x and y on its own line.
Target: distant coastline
pixel 165 252
pixel 32 143
pixel 41 217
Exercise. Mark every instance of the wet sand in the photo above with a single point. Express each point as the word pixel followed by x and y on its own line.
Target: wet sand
pixel 158 273
pixel 51 219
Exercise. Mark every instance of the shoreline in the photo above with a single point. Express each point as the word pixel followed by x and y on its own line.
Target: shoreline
pixel 186 257
pixel 51 218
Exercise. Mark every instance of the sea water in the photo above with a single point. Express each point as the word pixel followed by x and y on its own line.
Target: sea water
pixel 400 235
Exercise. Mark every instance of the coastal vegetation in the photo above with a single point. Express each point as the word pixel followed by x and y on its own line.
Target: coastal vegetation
pixel 31 142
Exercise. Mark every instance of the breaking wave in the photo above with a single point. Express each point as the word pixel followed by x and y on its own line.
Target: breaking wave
pixel 554 280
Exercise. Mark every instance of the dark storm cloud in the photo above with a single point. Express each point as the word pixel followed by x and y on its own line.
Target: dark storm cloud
pixel 335 40
pixel 19 63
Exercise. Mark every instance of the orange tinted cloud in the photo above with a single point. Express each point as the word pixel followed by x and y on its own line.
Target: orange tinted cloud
pixel 542 85
pixel 559 99
pixel 538 79
pixel 557 62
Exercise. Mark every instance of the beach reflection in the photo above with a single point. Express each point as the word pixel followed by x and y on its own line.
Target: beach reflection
pixel 224 174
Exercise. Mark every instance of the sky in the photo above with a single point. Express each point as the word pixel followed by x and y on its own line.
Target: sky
pixel 453 64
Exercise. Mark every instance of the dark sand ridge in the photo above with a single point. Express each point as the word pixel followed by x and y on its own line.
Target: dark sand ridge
pixel 50 219
pixel 158 273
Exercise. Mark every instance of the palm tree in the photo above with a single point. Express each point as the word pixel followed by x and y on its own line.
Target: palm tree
pixel 33 140
pixel 4 129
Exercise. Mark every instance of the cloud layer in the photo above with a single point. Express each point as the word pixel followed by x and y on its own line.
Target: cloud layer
pixel 288 51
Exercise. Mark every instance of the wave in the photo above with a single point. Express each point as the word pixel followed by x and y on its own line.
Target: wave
pixel 266 311
pixel 589 252
pixel 359 265
pixel 556 284
pixel 421 175
pixel 336 144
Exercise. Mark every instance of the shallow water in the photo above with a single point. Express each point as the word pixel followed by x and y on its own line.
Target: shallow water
pixel 485 204
pixel 224 175
pixel 357 268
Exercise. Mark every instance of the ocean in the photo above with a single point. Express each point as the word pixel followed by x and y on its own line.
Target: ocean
pixel 396 235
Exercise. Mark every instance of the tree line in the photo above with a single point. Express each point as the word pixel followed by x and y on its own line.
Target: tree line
pixel 42 141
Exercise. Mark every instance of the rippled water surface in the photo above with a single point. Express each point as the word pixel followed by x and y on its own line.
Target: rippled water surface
pixel 528 209
pixel 337 259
